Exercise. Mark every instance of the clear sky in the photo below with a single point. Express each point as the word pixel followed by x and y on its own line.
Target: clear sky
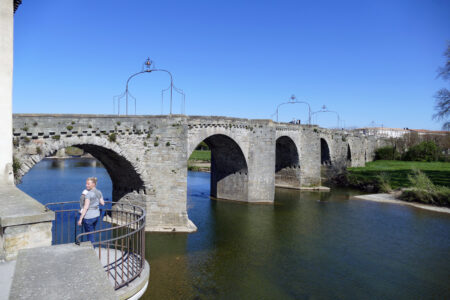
pixel 373 62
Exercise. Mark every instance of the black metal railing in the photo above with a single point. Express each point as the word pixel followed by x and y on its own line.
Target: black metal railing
pixel 119 238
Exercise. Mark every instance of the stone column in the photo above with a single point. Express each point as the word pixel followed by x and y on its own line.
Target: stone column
pixel 310 158
pixel 261 163
pixel 6 75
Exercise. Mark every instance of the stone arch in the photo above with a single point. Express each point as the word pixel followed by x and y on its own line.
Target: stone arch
pixel 325 158
pixel 349 156
pixel 287 163
pixel 229 169
pixel 349 153
pixel 124 174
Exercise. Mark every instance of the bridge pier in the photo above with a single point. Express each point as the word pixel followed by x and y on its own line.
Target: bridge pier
pixel 261 162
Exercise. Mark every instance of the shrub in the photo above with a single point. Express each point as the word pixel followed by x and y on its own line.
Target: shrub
pixel 384 182
pixel 69 127
pixel 424 151
pixel 202 146
pixel 440 196
pixel 25 128
pixel 56 137
pixel 387 153
pixel 424 191
pixel 420 181
pixel 16 166
pixel 38 150
pixel 112 137
pixel 156 144
pixel 167 144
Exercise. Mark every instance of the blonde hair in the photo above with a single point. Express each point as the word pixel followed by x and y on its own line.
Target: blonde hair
pixel 93 179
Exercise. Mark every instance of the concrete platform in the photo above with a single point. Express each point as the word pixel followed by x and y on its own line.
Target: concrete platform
pixel 6 277
pixel 60 272
pixel 17 208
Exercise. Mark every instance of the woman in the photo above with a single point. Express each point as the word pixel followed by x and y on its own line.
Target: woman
pixel 90 212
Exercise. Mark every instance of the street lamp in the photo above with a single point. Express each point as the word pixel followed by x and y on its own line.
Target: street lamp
pixel 293 100
pixel 147 68
pixel 179 91
pixel 325 110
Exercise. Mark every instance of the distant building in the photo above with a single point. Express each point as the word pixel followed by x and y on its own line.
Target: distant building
pixel 397 132
pixel 430 132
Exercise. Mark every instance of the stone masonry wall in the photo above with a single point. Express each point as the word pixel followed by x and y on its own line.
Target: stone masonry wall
pixel 146 158
pixel 15 238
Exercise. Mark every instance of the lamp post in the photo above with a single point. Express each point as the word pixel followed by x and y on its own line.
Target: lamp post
pixel 179 91
pixel 293 100
pixel 147 68
pixel 324 110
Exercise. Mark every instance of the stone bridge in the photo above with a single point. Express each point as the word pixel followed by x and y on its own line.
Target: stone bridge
pixel 146 156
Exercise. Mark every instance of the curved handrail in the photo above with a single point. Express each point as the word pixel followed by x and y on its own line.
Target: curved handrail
pixel 123 249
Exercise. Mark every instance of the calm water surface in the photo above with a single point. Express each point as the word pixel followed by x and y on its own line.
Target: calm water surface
pixel 305 246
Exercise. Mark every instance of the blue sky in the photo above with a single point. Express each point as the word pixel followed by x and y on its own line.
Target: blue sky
pixel 373 62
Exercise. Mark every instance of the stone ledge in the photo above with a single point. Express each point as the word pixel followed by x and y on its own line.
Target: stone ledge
pixel 304 188
pixel 182 229
pixel 18 208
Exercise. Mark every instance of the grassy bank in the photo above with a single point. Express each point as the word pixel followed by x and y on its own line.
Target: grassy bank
pixel 201 155
pixel 200 160
pixel 397 172
pixel 422 182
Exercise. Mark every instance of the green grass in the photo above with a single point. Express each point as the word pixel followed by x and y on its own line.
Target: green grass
pixel 203 155
pixel 74 151
pixel 398 171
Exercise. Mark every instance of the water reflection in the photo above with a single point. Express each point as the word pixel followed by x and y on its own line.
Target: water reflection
pixel 57 164
pixel 307 245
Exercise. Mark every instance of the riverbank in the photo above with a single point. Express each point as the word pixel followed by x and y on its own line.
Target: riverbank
pixel 396 173
pixel 390 198
pixel 199 166
pixel 200 161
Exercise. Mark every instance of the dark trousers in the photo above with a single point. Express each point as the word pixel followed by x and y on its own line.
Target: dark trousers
pixel 89 226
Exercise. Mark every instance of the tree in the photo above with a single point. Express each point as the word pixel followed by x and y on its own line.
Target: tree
pixel 442 104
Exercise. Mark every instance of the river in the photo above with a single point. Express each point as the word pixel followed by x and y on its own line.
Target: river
pixel 307 245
